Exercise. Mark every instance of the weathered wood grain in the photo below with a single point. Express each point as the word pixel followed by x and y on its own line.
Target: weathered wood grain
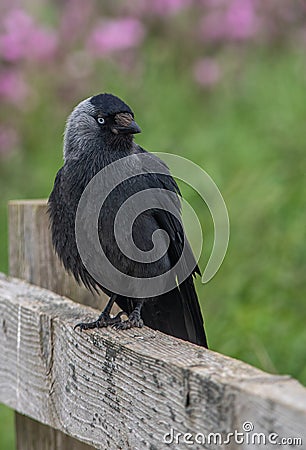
pixel 127 389
pixel 32 258
pixel 33 435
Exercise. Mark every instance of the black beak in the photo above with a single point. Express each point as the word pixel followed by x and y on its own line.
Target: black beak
pixel 132 128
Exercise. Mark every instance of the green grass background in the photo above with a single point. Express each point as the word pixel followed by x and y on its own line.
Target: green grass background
pixel 249 134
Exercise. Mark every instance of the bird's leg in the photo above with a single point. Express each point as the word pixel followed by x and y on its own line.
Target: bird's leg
pixel 134 320
pixel 104 319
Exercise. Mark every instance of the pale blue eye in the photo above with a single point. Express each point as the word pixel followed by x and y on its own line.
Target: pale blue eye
pixel 101 120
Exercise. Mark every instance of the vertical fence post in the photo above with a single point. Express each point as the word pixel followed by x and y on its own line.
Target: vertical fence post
pixel 31 257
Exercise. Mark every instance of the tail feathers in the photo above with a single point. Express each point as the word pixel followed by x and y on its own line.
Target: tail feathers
pixel 165 313
pixel 192 313
pixel 176 313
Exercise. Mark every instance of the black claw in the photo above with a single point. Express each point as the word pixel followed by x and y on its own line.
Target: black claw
pixel 132 322
pixel 103 321
pixel 116 319
pixel 86 326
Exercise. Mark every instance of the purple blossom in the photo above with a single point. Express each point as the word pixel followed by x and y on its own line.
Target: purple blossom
pixel 16 25
pixel 237 21
pixel 75 17
pixel 241 19
pixel 42 44
pixel 114 35
pixel 17 18
pixel 23 39
pixel 207 72
pixel 13 88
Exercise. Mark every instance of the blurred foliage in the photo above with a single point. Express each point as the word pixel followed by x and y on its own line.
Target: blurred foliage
pixel 233 103
pixel 7 437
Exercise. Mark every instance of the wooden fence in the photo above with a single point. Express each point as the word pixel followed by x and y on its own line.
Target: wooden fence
pixel 134 389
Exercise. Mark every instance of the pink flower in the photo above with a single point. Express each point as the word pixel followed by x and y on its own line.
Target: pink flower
pixel 114 35
pixel 17 18
pixel 237 21
pixel 16 25
pixel 8 140
pixel 241 19
pixel 13 87
pixel 23 39
pixel 41 44
pixel 207 72
pixel 74 19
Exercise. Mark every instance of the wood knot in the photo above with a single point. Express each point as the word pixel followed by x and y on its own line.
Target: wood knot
pixel 46 341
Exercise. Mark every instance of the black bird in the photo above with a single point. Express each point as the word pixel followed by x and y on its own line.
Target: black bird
pixel 98 132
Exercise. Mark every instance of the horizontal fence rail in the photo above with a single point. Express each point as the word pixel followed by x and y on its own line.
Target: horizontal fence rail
pixel 129 389
pixel 132 389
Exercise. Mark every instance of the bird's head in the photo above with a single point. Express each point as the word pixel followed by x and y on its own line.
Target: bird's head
pixel 99 121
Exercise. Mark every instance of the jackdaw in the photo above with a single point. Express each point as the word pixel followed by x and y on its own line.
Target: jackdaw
pixel 100 134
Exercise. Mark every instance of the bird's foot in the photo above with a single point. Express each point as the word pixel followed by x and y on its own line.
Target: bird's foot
pixel 134 321
pixel 104 320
